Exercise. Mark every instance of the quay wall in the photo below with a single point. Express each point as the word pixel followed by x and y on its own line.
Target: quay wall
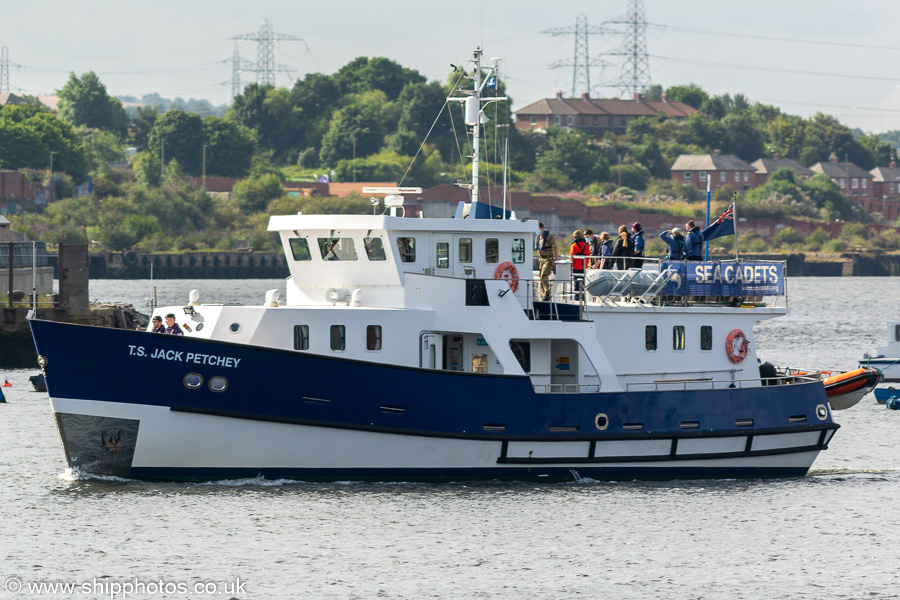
pixel 189 265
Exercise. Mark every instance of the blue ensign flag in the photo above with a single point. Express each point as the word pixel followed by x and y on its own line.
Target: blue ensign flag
pixel 492 82
pixel 724 225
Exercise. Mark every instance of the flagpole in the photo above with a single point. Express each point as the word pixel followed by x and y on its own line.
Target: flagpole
pixel 734 214
pixel 708 178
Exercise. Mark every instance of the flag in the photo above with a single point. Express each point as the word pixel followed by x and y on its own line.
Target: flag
pixel 724 225
pixel 492 82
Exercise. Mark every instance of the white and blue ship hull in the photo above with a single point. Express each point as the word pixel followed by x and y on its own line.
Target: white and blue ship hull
pixel 296 415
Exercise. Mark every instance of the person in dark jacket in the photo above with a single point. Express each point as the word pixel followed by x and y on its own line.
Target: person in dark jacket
pixel 638 238
pixel 158 327
pixel 624 249
pixel 674 239
pixel 693 242
pixel 606 250
pixel 171 326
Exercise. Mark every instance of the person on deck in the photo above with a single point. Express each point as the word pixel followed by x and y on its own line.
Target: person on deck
pixel 606 249
pixel 171 326
pixel 674 239
pixel 623 248
pixel 638 239
pixel 158 327
pixel 693 242
pixel 548 254
pixel 579 251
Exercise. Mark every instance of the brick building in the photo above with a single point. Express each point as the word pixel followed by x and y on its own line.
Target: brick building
pixel 854 181
pixel 720 169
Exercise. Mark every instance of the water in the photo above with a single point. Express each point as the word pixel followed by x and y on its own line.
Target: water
pixel 833 534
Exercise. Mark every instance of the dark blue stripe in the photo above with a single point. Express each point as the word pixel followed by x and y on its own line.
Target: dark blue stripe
pixel 98 364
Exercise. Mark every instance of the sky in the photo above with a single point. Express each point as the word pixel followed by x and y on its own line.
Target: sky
pixel 804 56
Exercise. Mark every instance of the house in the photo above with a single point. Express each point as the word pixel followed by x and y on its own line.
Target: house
pixel 854 181
pixel 720 169
pixel 593 116
pixel 10 99
pixel 886 181
pixel 766 166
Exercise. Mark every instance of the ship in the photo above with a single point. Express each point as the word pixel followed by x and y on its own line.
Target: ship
pixel 409 348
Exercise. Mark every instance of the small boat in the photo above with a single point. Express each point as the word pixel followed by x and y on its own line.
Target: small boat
pixel 6 383
pixel 38 382
pixel 882 394
pixel 846 389
pixel 886 358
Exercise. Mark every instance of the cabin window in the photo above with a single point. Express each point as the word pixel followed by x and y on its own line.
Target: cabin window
pixel 479 363
pixel 407 248
pixel 678 337
pixel 300 249
pixel 442 255
pixel 522 352
pixel 465 250
pixel 650 338
pixel 333 248
pixel 373 338
pixel 897 333
pixel 706 337
pixel 491 250
pixel 374 248
pixel 301 337
pixel 338 338
pixel 518 250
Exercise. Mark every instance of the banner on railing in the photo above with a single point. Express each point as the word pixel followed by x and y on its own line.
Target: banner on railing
pixel 729 279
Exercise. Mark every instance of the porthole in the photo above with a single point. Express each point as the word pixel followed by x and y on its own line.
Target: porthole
pixel 218 384
pixel 601 421
pixel 821 412
pixel 234 327
pixel 199 326
pixel 193 380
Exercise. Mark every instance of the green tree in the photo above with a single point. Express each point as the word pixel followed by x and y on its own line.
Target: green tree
pixel 271 113
pixel 572 155
pixel 28 135
pixel 365 74
pixel 630 175
pixel 359 128
pixel 84 101
pixel 178 135
pixel 692 95
pixel 230 147
pixel 254 193
pixel 142 125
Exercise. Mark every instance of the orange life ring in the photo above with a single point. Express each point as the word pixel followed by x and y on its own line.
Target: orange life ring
pixel 737 346
pixel 508 271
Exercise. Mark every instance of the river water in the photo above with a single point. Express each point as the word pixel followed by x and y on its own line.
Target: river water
pixel 832 534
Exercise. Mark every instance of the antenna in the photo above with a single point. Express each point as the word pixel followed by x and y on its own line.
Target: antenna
pixel 265 66
pixel 581 63
pixel 635 75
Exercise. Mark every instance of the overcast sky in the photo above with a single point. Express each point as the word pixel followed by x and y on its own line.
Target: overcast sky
pixel 804 56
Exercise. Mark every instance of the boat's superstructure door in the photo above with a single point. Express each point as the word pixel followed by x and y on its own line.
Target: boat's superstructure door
pixel 431 355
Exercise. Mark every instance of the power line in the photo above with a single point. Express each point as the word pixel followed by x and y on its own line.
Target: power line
pixel 265 66
pixel 635 76
pixel 582 62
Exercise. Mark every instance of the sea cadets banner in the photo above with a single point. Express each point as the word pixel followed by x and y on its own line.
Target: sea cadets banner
pixel 720 278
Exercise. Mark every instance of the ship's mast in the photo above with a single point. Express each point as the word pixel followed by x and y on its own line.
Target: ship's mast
pixel 475 116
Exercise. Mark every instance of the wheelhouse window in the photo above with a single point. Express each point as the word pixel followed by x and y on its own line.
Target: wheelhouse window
pixel 373 338
pixel 518 250
pixel 491 250
pixel 407 248
pixel 333 248
pixel 301 337
pixel 650 338
pixel 897 333
pixel 442 255
pixel 338 338
pixel 300 249
pixel 678 337
pixel 706 337
pixel 522 352
pixel 374 248
pixel 465 250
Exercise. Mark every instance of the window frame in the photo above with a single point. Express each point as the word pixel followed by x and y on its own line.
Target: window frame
pixel 706 338
pixel 678 335
pixel 342 331
pixel 410 250
pixel 496 253
pixel 442 262
pixel 374 338
pixel 520 252
pixel 651 338
pixel 294 251
pixel 375 251
pixel 460 255
pixel 301 337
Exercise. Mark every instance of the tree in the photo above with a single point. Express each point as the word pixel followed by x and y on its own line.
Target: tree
pixel 317 96
pixel 230 147
pixel 84 101
pixel 254 193
pixel 142 125
pixel 28 135
pixel 359 128
pixel 272 115
pixel 183 136
pixel 692 95
pixel 365 74
pixel 571 155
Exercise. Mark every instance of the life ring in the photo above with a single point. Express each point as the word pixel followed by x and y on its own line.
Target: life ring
pixel 130 258
pixel 508 271
pixel 737 346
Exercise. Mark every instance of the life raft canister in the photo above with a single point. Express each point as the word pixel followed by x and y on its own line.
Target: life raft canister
pixel 736 346
pixel 508 271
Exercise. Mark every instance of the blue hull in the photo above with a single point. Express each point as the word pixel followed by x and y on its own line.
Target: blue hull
pixel 126 367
